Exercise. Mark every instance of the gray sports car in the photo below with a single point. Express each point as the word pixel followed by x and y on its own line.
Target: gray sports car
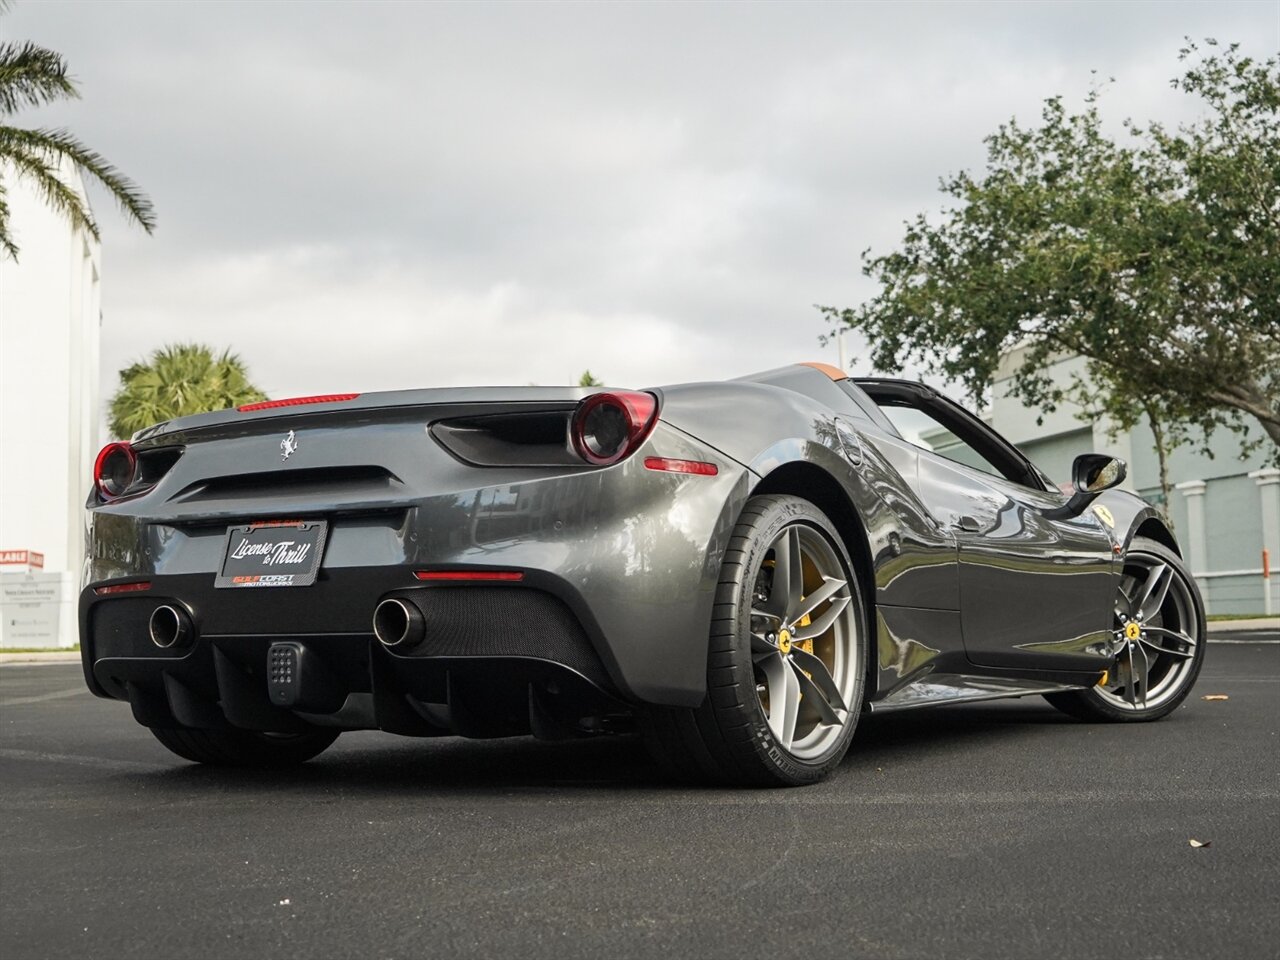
pixel 734 570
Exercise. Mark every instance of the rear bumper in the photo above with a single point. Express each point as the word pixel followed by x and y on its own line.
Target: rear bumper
pixel 497 660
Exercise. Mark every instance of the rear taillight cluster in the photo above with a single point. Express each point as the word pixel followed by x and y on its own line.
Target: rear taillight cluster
pixel 609 427
pixel 115 470
pixel 120 469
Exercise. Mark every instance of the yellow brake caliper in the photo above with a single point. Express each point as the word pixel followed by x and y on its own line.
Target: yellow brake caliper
pixel 805 645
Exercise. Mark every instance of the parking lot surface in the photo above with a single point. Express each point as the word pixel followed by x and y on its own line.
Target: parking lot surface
pixel 991 830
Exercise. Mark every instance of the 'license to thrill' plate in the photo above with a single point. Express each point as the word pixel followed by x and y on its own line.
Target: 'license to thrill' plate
pixel 273 554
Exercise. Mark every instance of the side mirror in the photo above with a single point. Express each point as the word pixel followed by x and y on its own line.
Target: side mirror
pixel 1095 472
pixel 1091 473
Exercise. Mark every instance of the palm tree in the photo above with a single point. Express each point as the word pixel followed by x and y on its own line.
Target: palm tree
pixel 587 380
pixel 178 380
pixel 32 76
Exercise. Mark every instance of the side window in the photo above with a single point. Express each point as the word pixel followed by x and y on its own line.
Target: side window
pixel 918 427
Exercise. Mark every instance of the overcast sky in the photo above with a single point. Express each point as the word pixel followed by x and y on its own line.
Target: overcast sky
pixel 375 196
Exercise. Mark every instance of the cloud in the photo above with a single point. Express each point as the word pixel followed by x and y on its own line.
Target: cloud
pixel 375 196
pixel 285 311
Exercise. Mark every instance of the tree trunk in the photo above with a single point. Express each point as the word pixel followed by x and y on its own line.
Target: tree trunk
pixel 1272 426
pixel 1162 455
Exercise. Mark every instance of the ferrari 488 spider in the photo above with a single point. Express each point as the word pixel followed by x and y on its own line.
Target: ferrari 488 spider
pixel 734 570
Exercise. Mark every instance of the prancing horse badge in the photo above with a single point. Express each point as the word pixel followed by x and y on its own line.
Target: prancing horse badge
pixel 288 446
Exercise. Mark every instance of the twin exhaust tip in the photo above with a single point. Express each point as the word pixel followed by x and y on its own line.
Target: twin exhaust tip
pixel 169 626
pixel 398 623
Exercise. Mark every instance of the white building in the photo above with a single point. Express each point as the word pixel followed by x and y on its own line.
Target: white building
pixel 50 312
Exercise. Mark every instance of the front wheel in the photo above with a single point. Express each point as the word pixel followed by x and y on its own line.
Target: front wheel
pixel 1159 631
pixel 245 748
pixel 787 657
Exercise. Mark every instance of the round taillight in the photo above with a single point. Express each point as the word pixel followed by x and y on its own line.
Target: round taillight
pixel 114 470
pixel 608 427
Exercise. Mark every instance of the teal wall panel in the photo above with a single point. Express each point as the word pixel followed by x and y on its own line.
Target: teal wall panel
pixel 1054 454
pixel 1232 521
pixel 1232 594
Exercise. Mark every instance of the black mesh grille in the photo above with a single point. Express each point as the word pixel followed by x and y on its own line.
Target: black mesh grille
pixel 504 622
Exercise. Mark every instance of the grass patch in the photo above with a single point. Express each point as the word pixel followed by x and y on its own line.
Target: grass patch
pixel 75 649
pixel 1244 616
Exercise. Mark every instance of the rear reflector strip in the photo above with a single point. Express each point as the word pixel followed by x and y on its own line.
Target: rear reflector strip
pixel 509 575
pixel 298 401
pixel 697 467
pixel 122 588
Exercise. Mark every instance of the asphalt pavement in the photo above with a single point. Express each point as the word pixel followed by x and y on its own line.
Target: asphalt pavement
pixel 993 830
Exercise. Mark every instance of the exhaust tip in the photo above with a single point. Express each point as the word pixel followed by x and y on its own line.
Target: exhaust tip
pixel 398 623
pixel 169 626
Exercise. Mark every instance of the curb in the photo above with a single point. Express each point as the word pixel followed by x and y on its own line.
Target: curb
pixel 53 656
pixel 1263 624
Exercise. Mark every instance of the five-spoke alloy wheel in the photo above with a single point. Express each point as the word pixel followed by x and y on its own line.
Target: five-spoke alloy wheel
pixel 787 657
pixel 1158 641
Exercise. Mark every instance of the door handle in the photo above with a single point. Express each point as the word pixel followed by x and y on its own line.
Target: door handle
pixel 966 524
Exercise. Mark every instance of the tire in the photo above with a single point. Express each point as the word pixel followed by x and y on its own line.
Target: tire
pixel 1170 649
pixel 245 748
pixel 729 738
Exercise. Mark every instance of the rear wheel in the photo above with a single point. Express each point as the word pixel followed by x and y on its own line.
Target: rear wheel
pixel 245 748
pixel 1159 631
pixel 787 657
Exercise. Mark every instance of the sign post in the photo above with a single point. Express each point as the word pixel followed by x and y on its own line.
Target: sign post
pixel 1266 581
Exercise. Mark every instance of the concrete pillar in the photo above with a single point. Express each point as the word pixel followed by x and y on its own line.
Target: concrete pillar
pixel 1197 542
pixel 1268 481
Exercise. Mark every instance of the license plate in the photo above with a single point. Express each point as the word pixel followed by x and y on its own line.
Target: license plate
pixel 273 554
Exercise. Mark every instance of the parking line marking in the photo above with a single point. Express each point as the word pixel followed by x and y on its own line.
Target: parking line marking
pixel 1203 678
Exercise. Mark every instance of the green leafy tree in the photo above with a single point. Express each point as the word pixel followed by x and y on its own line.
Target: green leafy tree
pixel 587 380
pixel 179 380
pixel 1156 258
pixel 32 76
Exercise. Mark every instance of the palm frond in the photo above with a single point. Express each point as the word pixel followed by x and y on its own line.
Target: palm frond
pixel 9 248
pixel 132 201
pixel 42 173
pixel 31 76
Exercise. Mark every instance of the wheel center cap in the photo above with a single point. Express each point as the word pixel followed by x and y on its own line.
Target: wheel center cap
pixel 784 641
pixel 1132 630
